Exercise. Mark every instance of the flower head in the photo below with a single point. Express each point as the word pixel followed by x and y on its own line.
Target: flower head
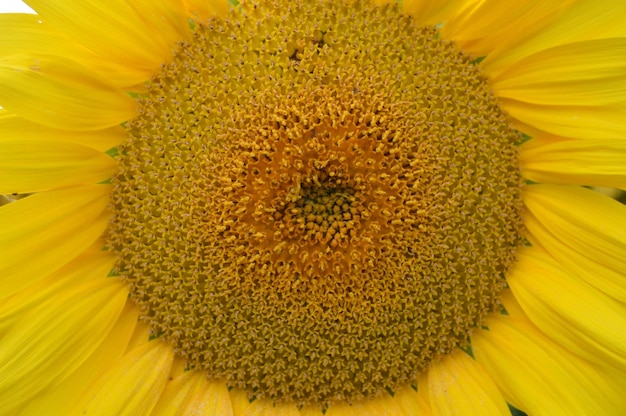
pixel 313 206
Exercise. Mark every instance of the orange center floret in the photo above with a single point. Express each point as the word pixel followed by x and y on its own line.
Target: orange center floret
pixel 316 200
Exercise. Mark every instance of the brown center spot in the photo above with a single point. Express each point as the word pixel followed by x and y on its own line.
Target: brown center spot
pixel 316 200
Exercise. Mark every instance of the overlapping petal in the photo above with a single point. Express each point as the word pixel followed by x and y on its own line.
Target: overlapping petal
pixel 61 93
pixel 595 162
pixel 57 226
pixel 13 128
pixel 568 22
pixel 56 400
pixel 574 90
pixel 489 25
pixel 91 265
pixel 27 34
pixel 385 405
pixel 242 405
pixel 192 394
pixel 541 377
pixel 115 31
pixel 583 230
pixel 573 313
pixel 435 11
pixel 143 371
pixel 574 121
pixel 414 402
pixel 589 73
pixel 205 9
pixel 54 339
pixel 32 166
pixel 458 386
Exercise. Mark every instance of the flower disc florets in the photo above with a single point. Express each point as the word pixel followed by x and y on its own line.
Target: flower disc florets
pixel 316 200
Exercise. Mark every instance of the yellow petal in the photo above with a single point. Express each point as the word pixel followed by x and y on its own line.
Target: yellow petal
pixel 600 162
pixel 134 385
pixel 490 24
pixel 582 73
pixel 541 377
pixel 31 166
pixel 591 223
pixel 60 93
pixel 139 35
pixel 260 407
pixel 141 336
pixel 458 385
pixel 310 410
pixel 192 394
pixel 54 339
pixel 267 408
pixel 13 128
pixel 202 10
pixel 240 402
pixel 168 18
pixel 592 271
pixel 573 22
pixel 568 310
pixel 383 405
pixel 413 403
pixel 41 233
pixel 90 265
pixel 583 122
pixel 54 401
pixel 27 34
pixel 434 11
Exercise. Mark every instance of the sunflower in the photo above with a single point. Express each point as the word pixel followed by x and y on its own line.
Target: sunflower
pixel 313 207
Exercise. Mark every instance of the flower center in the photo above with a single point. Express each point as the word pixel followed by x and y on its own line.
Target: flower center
pixel 316 200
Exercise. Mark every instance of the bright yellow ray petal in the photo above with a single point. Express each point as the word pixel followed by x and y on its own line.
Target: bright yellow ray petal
pixel 592 271
pixel 584 20
pixel 259 407
pixel 589 222
pixel 54 339
pixel 41 233
pixel 27 34
pixel 310 410
pixel 134 385
pixel 60 93
pixel 413 403
pixel 140 337
pixel 481 29
pixel 90 265
pixel 201 9
pixel 32 166
pixel 13 127
pixel 583 73
pixel 383 405
pixel 458 385
pixel 582 122
pixel 435 11
pixel 267 408
pixel 115 31
pixel 192 394
pixel 599 162
pixel 571 312
pixel 240 402
pixel 539 376
pixel 54 401
pixel 167 18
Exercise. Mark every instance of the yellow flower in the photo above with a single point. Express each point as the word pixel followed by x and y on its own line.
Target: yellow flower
pixel 305 207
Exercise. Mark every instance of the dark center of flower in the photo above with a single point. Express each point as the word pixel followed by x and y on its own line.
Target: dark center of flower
pixel 316 200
